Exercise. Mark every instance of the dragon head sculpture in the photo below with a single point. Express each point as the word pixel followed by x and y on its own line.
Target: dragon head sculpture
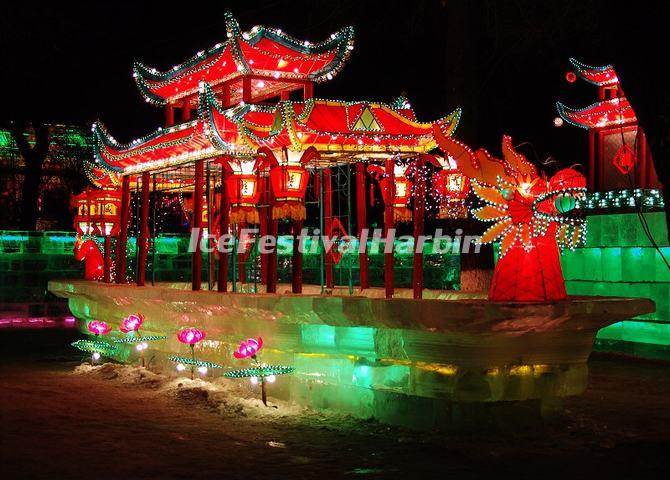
pixel 531 216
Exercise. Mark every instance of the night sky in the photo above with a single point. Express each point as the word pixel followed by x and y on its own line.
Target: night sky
pixel 503 62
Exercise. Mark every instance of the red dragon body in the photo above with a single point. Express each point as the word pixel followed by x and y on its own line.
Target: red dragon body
pixel 89 252
pixel 532 216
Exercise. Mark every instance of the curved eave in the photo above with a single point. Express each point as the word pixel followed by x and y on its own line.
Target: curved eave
pixel 101 143
pixel 449 124
pixel 100 176
pixel 616 106
pixel 149 80
pixel 164 148
pixel 599 76
pixel 339 43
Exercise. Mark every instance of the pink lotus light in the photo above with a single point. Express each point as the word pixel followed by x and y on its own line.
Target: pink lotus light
pixel 249 348
pixel 190 335
pixel 132 323
pixel 98 327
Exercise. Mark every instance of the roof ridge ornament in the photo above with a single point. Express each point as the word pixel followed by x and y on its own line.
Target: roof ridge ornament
pixel 232 25
pixel 401 102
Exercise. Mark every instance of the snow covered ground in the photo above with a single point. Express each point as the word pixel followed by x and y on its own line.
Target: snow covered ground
pixel 60 419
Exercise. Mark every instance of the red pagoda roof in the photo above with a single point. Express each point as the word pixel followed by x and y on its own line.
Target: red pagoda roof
pixel 171 146
pixel 600 76
pixel 342 128
pixel 276 62
pixel 606 113
pixel 332 126
pixel 101 176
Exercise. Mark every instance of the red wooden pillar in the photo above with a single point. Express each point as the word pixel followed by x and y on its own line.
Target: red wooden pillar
pixel 122 243
pixel 263 226
pixel 271 282
pixel 651 175
pixel 296 274
pixel 308 91
pixel 225 95
pixel 241 270
pixel 169 115
pixel 641 169
pixel 224 226
pixel 592 161
pixel 419 206
pixel 328 222
pixel 196 222
pixel 388 224
pixel 246 89
pixel 361 220
pixel 107 275
pixel 143 239
pixel 600 148
pixel 186 111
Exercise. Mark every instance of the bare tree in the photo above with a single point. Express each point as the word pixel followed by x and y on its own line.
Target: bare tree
pixel 33 157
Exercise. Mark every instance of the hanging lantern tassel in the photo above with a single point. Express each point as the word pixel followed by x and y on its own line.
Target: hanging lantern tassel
pixel 289 209
pixel 402 214
pixel 244 214
pixel 452 209
pixel 402 189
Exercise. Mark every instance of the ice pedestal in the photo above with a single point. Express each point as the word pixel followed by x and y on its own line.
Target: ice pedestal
pixel 448 360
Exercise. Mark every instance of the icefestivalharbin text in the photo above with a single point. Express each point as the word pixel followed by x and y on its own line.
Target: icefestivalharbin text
pixel 309 242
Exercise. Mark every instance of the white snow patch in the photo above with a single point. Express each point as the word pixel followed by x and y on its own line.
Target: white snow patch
pixel 226 397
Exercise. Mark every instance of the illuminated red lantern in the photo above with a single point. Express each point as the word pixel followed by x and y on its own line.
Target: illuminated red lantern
pixel 401 195
pixel 243 188
pixel 288 179
pixel 289 183
pixel 401 188
pixel 98 212
pixel 243 194
pixel 451 187
pixel 82 219
pixel 105 211
pixel 571 77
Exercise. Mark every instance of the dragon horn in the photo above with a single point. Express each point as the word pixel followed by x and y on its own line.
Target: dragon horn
pixel 491 168
pixel 479 165
pixel 514 159
pixel 458 151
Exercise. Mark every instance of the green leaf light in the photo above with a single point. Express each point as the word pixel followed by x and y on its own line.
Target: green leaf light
pixel 95 346
pixel 259 372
